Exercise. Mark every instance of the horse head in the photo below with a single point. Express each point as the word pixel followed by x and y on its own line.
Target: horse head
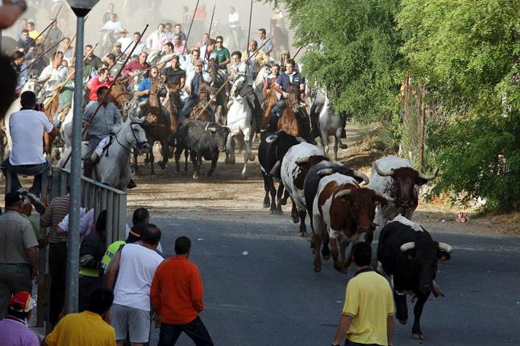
pixel 238 85
pixel 136 137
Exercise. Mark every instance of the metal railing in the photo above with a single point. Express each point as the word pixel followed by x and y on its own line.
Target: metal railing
pixel 97 196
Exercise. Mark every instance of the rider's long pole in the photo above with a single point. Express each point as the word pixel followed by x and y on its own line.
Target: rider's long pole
pixel 249 29
pixel 189 30
pixel 72 273
pixel 209 31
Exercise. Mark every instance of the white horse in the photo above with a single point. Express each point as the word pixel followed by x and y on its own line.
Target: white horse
pixel 113 168
pixel 66 128
pixel 331 124
pixel 260 79
pixel 239 119
pixel 31 85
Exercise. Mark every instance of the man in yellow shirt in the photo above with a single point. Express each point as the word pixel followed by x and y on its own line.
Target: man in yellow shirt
pixel 32 31
pixel 367 317
pixel 87 328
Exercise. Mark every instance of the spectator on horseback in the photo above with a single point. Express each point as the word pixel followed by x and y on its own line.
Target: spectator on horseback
pixel 189 64
pixel 136 67
pixel 99 125
pixel 112 26
pixel 65 87
pixel 193 87
pixel 259 59
pixel 26 157
pixel 156 40
pixel 178 45
pixel 178 31
pixel 234 26
pixel 25 41
pixel 101 80
pixel 92 63
pixel 108 13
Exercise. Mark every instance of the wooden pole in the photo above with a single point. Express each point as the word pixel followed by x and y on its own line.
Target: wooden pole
pixel 189 30
pixel 44 30
pixel 38 58
pixel 209 31
pixel 422 129
pixel 249 29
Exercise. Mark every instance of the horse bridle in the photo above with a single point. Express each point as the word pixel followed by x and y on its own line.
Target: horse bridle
pixel 138 145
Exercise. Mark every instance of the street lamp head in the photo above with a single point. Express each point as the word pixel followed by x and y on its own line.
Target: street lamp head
pixel 82 7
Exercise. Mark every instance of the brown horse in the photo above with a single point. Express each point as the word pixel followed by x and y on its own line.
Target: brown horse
pixel 156 128
pixel 121 97
pixel 289 119
pixel 221 100
pixel 270 97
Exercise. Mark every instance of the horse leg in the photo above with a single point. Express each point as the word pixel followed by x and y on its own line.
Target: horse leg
pixel 186 154
pixel 230 150
pixel 136 165
pixel 247 156
pixel 278 206
pixel 267 201
pixel 325 141
pixel 339 131
pixel 165 152
pixel 152 161
pixel 303 229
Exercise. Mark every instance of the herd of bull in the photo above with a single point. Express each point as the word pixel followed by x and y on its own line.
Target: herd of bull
pixel 341 204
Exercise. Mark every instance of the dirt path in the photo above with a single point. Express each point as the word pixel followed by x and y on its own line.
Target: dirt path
pixel 227 196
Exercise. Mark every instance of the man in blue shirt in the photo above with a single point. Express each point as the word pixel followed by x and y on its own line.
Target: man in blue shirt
pixel 193 86
pixel 285 80
pixel 143 92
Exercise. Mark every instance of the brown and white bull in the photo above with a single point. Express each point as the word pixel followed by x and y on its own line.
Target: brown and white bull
pixel 295 165
pixel 343 211
pixel 396 177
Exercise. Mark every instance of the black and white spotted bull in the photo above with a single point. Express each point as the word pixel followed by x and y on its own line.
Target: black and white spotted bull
pixel 295 165
pixel 310 187
pixel 202 140
pixel 271 152
pixel 408 256
pixel 397 178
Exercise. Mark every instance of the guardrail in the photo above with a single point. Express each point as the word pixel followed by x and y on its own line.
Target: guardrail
pixel 93 195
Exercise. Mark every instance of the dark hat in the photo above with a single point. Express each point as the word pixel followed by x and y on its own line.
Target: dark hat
pixel 13 198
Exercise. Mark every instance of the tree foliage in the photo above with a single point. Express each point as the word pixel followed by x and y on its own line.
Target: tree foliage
pixel 464 53
pixel 353 51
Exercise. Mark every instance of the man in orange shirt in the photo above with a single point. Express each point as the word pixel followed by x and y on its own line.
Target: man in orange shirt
pixel 177 297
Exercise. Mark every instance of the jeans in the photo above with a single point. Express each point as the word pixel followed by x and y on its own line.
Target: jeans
pixel 195 330
pixel 37 170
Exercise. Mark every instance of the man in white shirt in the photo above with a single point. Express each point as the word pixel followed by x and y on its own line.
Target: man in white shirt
pixel 234 26
pixel 113 25
pixel 135 267
pixel 125 41
pixel 52 74
pixel 26 157
pixel 141 46
pixel 156 40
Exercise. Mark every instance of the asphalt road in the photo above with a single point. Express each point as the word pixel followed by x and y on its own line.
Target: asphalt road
pixel 260 288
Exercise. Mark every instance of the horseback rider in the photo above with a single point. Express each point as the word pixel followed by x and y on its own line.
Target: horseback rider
pixel 189 64
pixel 99 126
pixel 271 80
pixel 101 80
pixel 221 54
pixel 193 87
pixel 262 39
pixel 259 59
pixel 18 63
pixel 136 67
pixel 175 81
pixel 65 87
pixel 52 73
pixel 237 68
pixel 289 78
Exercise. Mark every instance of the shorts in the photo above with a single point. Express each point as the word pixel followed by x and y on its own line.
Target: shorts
pixel 136 321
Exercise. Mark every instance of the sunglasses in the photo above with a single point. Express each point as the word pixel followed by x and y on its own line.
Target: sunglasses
pixel 219 41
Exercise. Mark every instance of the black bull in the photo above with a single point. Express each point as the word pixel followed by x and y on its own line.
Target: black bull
pixel 408 253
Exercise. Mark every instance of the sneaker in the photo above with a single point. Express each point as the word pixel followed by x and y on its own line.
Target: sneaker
pixel 35 201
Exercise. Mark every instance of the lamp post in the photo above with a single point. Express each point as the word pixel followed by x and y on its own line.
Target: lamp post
pixel 81 8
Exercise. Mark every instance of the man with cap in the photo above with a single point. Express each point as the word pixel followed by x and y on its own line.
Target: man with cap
pixel 124 41
pixel 18 253
pixel 13 328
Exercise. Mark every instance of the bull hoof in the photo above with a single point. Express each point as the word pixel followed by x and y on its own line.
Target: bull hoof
pixel 343 146
pixel 317 268
pixel 267 205
pixel 162 165
pixel 403 322
pixel 195 176
pixel 209 174
pixel 277 212
pixel 417 336
pixel 283 202
pixel 295 219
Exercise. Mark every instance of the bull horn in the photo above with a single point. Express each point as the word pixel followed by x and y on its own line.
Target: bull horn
pixel 407 246
pixel 429 177
pixel 343 193
pixel 302 160
pixel 212 128
pixel 360 175
pixel 325 171
pixel 383 173
pixel 445 247
pixel 271 138
pixel 385 196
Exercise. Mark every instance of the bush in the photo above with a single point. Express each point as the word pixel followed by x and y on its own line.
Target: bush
pixel 479 156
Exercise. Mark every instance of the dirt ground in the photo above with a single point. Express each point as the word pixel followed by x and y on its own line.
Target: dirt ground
pixel 228 196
